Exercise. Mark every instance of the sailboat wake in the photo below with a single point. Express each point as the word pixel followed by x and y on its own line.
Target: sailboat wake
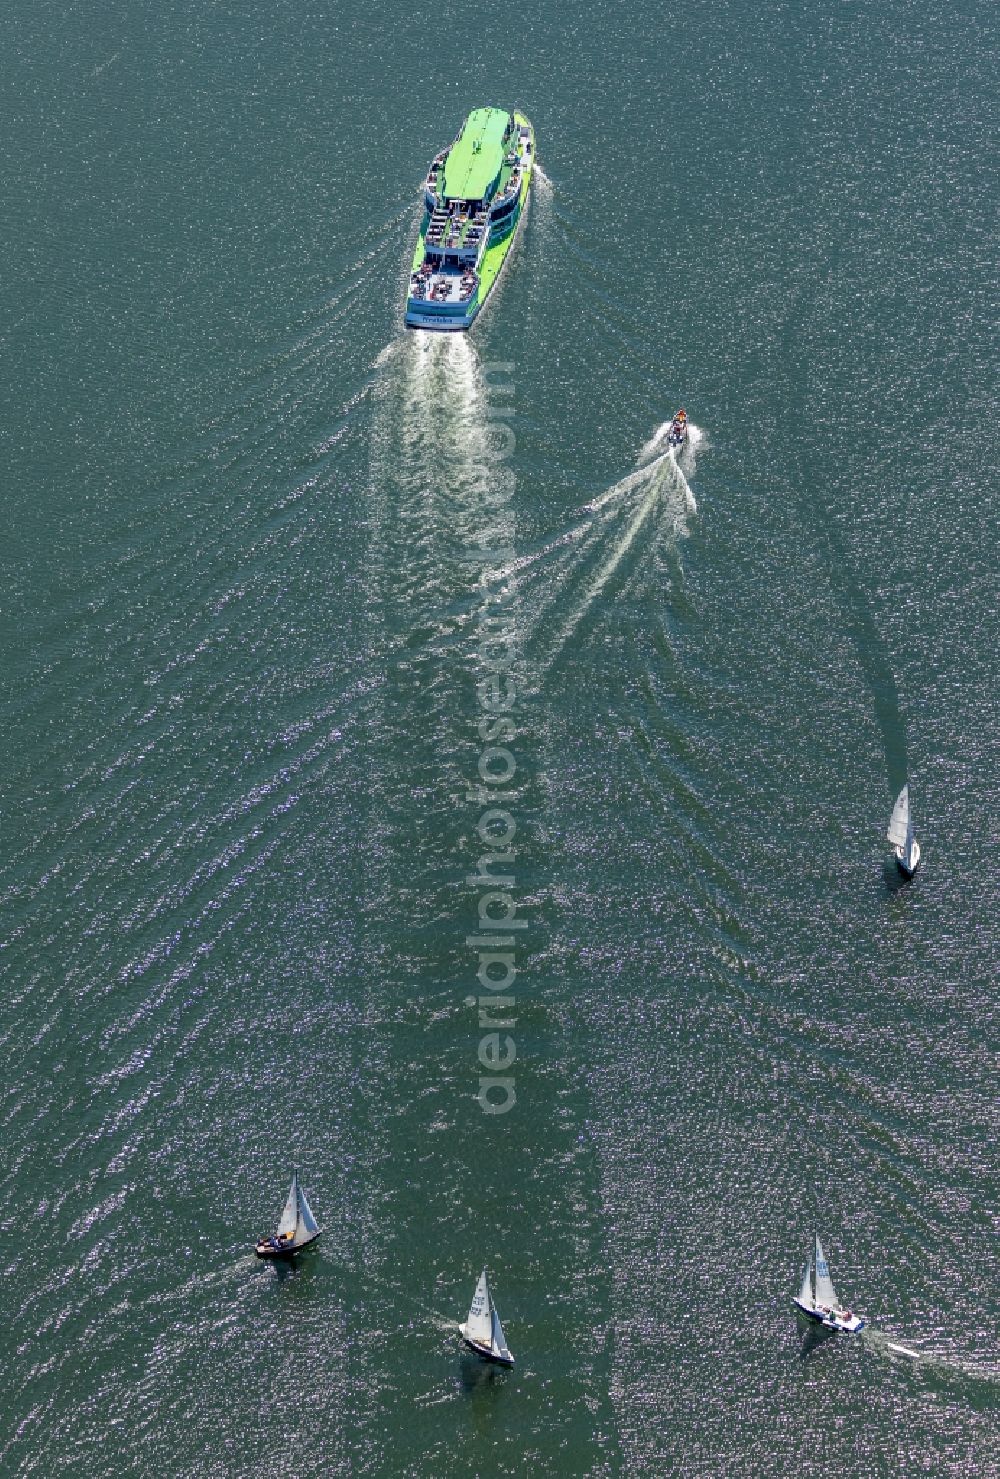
pixel 929 1361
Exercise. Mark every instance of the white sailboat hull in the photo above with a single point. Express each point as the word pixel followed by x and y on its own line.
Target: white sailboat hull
pixel 486 1351
pixel 900 855
pixel 830 1319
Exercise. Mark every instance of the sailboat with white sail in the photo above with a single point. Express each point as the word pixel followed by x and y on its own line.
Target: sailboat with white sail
pixel 905 846
pixel 482 1331
pixel 817 1298
pixel 297 1227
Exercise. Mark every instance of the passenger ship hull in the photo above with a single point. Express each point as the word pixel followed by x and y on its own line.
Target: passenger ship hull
pixel 448 289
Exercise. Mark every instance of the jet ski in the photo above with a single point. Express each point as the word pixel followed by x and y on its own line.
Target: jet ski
pixel 678 434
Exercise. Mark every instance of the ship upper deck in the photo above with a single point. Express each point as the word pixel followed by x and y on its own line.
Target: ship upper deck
pixel 477 161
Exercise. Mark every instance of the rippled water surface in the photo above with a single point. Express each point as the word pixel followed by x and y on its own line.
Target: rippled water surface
pixel 242 624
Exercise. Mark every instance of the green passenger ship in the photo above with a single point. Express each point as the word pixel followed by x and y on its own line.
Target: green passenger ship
pixel 474 197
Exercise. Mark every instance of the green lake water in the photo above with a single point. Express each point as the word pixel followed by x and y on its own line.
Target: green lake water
pixel 254 530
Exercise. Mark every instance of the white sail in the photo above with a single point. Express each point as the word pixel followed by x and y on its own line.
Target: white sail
pixel 910 850
pixel 806 1292
pixel 899 822
pixel 479 1325
pixel 825 1292
pixel 498 1340
pixel 306 1226
pixel 290 1216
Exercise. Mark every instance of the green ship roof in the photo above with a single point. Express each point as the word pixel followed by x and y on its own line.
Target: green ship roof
pixel 474 161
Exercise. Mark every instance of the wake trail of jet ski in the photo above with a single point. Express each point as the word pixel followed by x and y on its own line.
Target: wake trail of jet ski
pixel 564 557
pixel 630 481
pixel 672 441
pixel 573 548
pixel 595 586
pixel 538 580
